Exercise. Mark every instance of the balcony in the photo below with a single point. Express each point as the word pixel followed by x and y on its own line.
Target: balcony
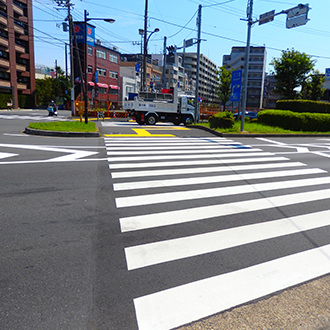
pixel 21 86
pixel 18 9
pixel 3 42
pixel 3 20
pixel 4 83
pixel 19 49
pixel 19 67
pixel 4 63
pixel 18 29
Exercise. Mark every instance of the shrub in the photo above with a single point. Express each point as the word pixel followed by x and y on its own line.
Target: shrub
pixel 310 122
pixel 303 106
pixel 222 120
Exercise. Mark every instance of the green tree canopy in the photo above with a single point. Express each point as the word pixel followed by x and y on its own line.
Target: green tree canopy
pixel 52 88
pixel 312 88
pixel 291 71
pixel 223 89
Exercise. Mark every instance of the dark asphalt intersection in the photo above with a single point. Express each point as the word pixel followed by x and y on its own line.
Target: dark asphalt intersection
pixel 151 228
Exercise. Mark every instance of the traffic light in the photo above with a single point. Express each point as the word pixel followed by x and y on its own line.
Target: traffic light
pixel 171 50
pixel 151 85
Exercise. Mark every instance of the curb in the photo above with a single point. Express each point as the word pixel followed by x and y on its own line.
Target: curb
pixel 210 130
pixel 60 134
pixel 207 129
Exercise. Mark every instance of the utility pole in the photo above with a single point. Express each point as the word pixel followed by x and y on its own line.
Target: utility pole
pixel 67 4
pixel 199 19
pixel 71 31
pixel 164 64
pixel 144 72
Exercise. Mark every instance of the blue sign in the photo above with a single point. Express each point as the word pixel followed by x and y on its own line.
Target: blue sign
pixel 327 74
pixel 96 76
pixel 137 67
pixel 235 87
pixel 80 35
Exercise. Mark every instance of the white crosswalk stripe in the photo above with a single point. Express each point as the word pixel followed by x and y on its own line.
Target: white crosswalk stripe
pixel 33 117
pixel 155 177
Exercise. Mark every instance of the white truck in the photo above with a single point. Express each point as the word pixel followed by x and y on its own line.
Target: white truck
pixel 149 108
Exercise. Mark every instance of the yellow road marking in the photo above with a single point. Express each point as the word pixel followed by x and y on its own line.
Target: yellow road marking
pixel 159 128
pixel 139 133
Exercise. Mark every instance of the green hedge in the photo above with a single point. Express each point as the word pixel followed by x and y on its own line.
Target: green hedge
pixel 308 122
pixel 222 120
pixel 303 106
pixel 24 101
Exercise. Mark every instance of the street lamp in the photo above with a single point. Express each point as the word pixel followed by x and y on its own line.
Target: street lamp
pixel 145 53
pixel 86 19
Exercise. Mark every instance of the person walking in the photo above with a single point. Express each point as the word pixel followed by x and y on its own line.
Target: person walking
pixel 10 104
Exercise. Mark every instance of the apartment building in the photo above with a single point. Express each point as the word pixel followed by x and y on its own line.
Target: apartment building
pixel 207 75
pixel 102 69
pixel 256 72
pixel 153 71
pixel 175 75
pixel 17 72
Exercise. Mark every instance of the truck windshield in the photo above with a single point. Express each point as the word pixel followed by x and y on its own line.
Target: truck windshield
pixel 191 101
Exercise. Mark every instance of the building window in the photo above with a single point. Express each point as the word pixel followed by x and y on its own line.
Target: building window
pixel 90 69
pixel 101 54
pixel 129 89
pixel 113 58
pixel 102 72
pixel 113 74
pixel 90 51
pixel 101 90
pixel 113 91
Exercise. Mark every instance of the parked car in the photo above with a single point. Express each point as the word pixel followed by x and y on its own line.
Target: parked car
pixel 248 114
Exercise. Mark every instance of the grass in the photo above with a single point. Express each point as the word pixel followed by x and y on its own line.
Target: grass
pixel 259 128
pixel 65 126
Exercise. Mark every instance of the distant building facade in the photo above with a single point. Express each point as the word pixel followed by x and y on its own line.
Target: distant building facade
pixel 17 68
pixel 102 69
pixel 207 75
pixel 256 72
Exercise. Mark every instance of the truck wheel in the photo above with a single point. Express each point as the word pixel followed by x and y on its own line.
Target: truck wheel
pixel 188 120
pixel 151 119
pixel 177 121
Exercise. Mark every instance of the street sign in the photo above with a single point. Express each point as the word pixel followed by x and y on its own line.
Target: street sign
pixel 298 11
pixel 297 16
pixel 189 42
pixel 267 17
pixel 137 67
pixel 296 21
pixel 327 74
pixel 236 84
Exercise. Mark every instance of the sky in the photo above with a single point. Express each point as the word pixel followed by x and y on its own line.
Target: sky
pixel 222 27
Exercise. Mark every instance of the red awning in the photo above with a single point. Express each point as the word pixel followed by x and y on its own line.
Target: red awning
pixel 102 85
pixel 114 86
pixel 90 83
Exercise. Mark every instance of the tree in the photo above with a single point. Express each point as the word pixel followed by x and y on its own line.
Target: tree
pixel 223 89
pixel 50 88
pixel 312 88
pixel 291 71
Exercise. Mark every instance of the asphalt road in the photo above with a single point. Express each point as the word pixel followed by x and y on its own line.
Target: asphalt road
pixel 157 227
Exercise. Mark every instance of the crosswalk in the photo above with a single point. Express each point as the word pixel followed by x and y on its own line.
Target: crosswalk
pixel 205 198
pixel 33 117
